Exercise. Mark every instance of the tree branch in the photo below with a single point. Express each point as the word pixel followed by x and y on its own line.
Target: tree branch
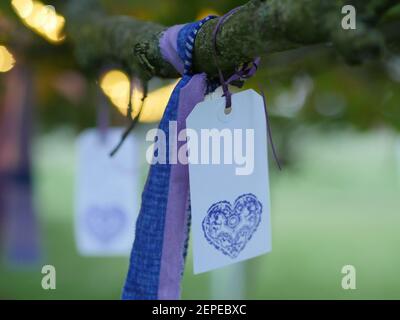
pixel 261 26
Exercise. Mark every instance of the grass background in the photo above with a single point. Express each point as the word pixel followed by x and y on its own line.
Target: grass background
pixel 338 204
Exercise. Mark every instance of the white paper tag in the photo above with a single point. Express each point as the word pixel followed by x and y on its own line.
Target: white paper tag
pixel 230 197
pixel 107 193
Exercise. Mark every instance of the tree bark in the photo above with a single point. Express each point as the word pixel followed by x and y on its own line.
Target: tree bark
pixel 260 27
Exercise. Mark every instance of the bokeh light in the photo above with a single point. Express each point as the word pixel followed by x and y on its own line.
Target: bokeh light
pixel 41 18
pixel 206 12
pixel 116 85
pixel 23 8
pixel 7 60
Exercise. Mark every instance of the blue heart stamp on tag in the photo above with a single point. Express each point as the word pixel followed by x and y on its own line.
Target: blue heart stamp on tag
pixel 105 223
pixel 229 230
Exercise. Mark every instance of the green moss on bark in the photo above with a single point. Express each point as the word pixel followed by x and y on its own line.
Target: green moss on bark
pixel 259 27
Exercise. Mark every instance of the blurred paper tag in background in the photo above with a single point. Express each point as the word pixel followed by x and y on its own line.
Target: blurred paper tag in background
pixel 107 193
pixel 229 198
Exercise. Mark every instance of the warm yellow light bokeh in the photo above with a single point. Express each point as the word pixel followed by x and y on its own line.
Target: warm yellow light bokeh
pixel 116 85
pixel 206 12
pixel 23 7
pixel 6 59
pixel 41 18
pixel 154 106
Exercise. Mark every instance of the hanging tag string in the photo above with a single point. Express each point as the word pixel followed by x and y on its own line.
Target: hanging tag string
pixel 245 72
pixel 134 120
pixel 271 141
pixel 129 113
pixel 102 114
pixel 224 83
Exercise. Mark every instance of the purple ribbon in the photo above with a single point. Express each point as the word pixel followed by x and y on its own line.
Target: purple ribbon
pixel 176 220
pixel 177 215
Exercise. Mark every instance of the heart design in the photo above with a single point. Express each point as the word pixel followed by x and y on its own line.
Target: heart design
pixel 229 230
pixel 105 223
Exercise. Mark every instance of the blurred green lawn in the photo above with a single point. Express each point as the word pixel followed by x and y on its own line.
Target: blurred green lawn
pixel 338 204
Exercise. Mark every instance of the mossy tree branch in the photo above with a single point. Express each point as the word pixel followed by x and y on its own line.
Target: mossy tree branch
pixel 261 26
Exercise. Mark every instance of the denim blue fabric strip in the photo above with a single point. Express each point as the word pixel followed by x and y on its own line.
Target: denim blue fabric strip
pixel 143 275
pixel 144 269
